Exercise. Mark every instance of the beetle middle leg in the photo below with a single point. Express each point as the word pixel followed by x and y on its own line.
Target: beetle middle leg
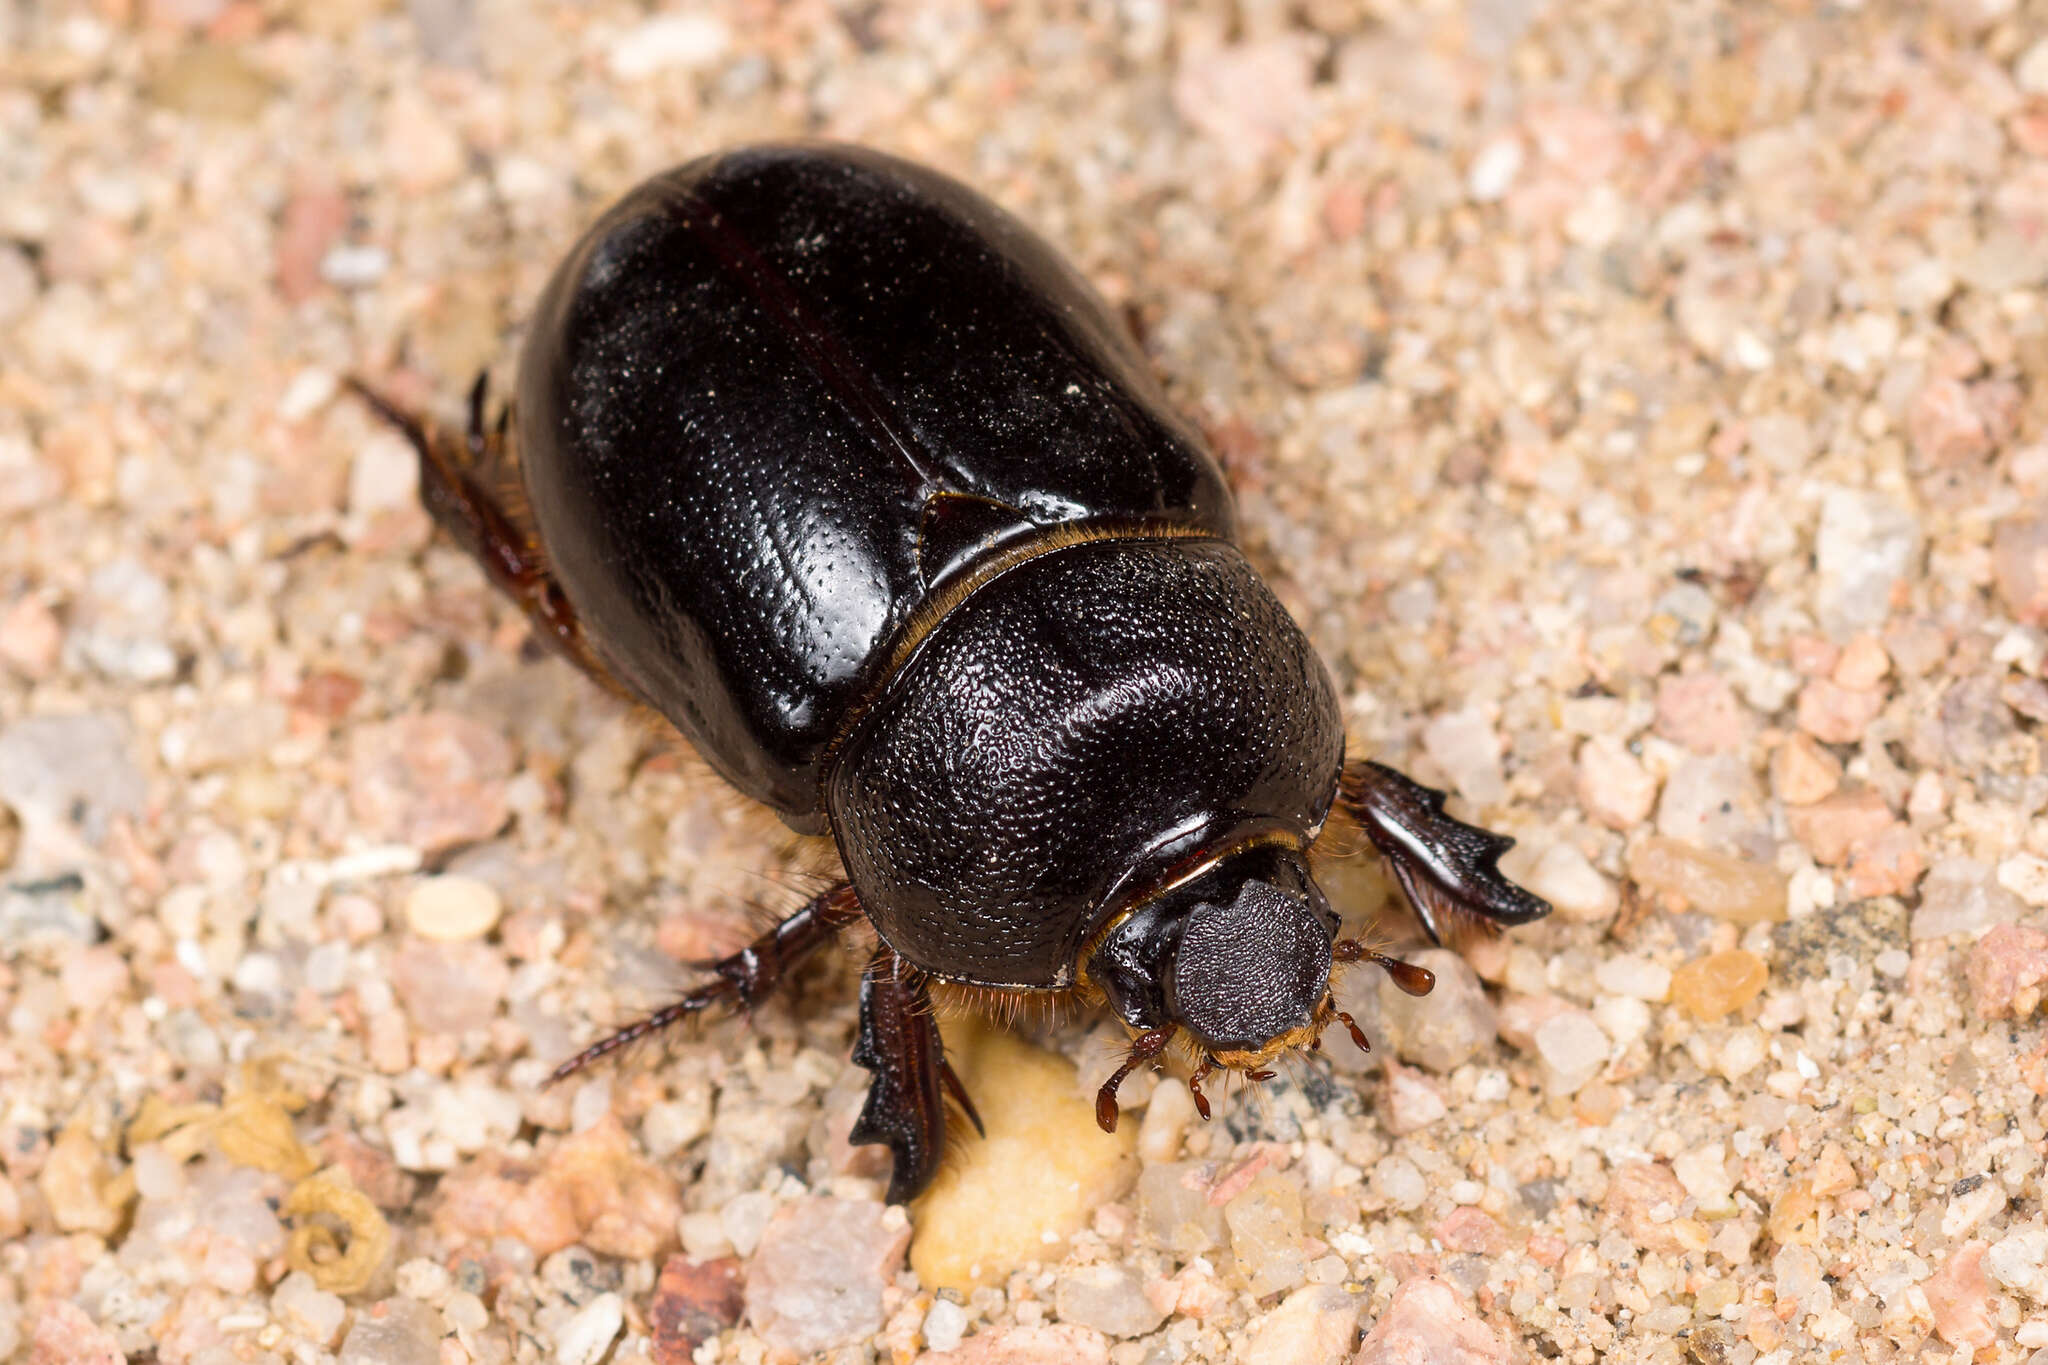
pixel 1450 870
pixel 744 979
pixel 470 486
pixel 906 1105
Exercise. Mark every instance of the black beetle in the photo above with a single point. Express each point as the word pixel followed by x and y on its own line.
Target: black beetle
pixel 845 472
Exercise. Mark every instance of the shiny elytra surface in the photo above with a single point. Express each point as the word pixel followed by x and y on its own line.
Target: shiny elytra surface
pixel 741 394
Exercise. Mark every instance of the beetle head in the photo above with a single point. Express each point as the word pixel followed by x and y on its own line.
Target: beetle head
pixel 1238 957
pixel 1252 973
pixel 1235 963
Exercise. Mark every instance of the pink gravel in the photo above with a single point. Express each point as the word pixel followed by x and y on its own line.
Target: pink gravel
pixel 1643 418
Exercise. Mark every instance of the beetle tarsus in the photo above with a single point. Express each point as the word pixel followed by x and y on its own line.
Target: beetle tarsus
pixel 1144 1048
pixel 663 1019
pixel 469 486
pixel 1449 870
pixel 744 977
pixel 899 1041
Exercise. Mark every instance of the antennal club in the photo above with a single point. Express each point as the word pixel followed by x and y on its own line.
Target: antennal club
pixel 1412 980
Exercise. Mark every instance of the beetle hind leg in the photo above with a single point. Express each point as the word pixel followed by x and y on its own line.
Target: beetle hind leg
pixel 743 979
pixel 906 1105
pixel 1450 870
pixel 470 486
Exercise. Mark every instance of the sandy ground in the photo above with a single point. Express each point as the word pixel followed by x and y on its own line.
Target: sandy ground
pixel 1642 407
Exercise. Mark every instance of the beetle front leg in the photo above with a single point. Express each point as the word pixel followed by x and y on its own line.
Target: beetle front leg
pixel 906 1105
pixel 1450 870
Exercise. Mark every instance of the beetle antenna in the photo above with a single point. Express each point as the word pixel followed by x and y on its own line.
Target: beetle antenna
pixel 1410 978
pixel 1144 1048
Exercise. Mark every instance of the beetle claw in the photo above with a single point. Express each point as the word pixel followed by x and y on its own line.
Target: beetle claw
pixel 958 1094
pixel 477 435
